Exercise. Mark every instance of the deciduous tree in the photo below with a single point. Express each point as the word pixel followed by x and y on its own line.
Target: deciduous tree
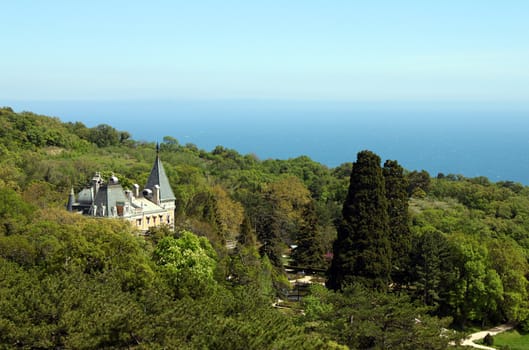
pixel 188 262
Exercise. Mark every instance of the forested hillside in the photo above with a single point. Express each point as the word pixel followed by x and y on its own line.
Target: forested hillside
pixel 449 252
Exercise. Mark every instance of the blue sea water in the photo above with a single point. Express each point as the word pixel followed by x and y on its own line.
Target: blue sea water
pixel 491 141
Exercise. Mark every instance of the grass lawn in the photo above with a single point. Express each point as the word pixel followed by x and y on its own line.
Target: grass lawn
pixel 513 339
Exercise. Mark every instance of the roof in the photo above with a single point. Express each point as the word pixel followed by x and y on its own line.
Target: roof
pixel 86 196
pixel 158 177
pixel 108 196
pixel 147 206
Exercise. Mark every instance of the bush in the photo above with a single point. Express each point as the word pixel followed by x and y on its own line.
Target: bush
pixel 488 340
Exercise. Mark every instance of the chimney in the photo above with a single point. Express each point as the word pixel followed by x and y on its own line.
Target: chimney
pixel 71 200
pixel 156 194
pixel 96 182
pixel 136 190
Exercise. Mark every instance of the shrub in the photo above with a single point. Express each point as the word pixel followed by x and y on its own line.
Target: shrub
pixel 488 340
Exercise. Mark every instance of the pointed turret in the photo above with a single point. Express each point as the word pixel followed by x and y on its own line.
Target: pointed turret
pixel 158 177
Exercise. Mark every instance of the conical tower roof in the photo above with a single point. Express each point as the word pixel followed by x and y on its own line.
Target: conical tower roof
pixel 158 177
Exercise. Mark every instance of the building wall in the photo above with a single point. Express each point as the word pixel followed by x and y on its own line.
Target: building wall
pixel 145 221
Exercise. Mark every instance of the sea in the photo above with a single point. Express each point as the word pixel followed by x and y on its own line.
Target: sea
pixel 472 140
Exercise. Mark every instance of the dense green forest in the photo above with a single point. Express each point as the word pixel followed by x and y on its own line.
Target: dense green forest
pixel 412 260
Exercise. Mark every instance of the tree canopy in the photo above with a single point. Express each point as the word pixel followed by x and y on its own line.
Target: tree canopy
pixel 362 251
pixel 412 254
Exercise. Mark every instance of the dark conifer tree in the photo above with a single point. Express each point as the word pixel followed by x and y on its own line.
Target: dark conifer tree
pixel 434 271
pixel 270 237
pixel 247 235
pixel 362 251
pixel 245 264
pixel 310 250
pixel 418 183
pixel 399 230
pixel 267 227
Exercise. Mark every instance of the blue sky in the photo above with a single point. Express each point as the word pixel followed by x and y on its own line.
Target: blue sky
pixel 449 50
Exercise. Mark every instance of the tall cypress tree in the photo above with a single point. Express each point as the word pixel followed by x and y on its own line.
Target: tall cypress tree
pixel 399 230
pixel 362 251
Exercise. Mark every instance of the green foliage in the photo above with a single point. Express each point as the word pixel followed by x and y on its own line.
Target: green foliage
pixel 310 246
pixel 277 214
pixel 362 250
pixel 478 291
pixel 187 262
pixel 488 340
pixel 68 281
pixel 512 340
pixel 433 273
pixel 14 212
pixel 418 182
pixel 88 283
pixel 31 131
pixel 399 230
pixel 71 284
pixel 228 214
pixel 486 225
pixel 104 135
pixel 247 236
pixel 363 319
pixel 510 263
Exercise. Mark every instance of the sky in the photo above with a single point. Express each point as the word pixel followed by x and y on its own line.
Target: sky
pixel 412 51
